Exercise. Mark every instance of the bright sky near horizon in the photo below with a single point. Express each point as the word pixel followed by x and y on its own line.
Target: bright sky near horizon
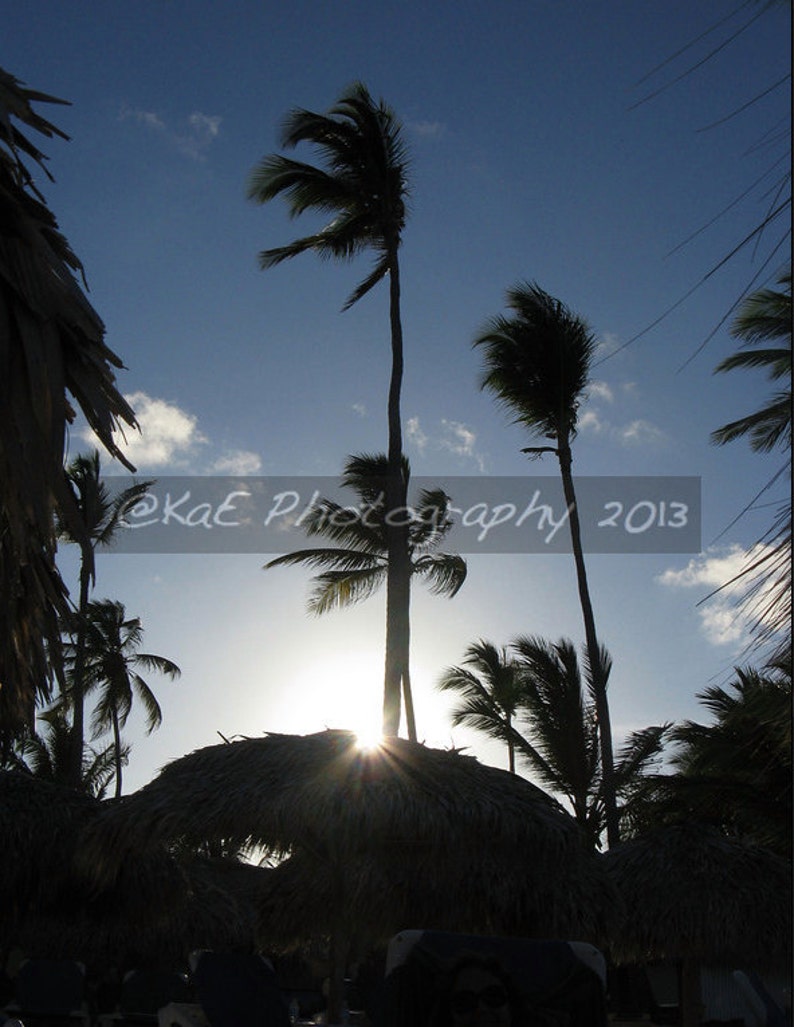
pixel 531 158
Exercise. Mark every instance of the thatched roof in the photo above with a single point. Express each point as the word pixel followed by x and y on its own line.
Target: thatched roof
pixel 479 891
pixel 694 893
pixel 383 836
pixel 324 792
pixel 157 905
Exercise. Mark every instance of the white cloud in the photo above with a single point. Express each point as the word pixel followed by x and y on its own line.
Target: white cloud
pixel 600 390
pixel 168 435
pixel 453 437
pixel 640 433
pixel 237 462
pixel 722 621
pixel 359 409
pixel 415 435
pixel 192 140
pixel 709 569
pixel 591 421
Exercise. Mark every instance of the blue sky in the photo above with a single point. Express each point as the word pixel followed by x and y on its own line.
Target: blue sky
pixel 531 158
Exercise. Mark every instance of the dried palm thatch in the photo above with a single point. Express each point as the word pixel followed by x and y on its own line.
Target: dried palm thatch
pixel 356 817
pixel 478 891
pixel 158 907
pixel 327 795
pixel 51 347
pixel 697 895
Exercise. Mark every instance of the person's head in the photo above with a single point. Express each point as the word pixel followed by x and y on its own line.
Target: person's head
pixel 477 992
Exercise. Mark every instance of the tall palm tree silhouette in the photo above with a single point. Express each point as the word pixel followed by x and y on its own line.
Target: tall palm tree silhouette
pixel 537 364
pixel 362 183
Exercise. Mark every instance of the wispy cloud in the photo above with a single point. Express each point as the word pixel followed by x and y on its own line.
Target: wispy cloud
pixel 170 441
pixel 600 390
pixel 452 437
pixel 722 621
pixel 427 129
pixel 237 462
pixel 415 435
pixel 192 137
pixel 638 432
pixel 359 409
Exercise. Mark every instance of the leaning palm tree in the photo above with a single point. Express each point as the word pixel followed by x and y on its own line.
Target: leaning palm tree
pixel 111 666
pixel 46 755
pixel 363 185
pixel 54 361
pixel 764 325
pixel 489 686
pixel 359 563
pixel 537 363
pixel 100 515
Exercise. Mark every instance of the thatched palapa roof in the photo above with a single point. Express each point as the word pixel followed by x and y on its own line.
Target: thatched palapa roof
pixel 695 894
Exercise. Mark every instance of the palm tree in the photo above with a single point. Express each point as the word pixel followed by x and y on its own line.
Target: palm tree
pixel 537 363
pixel 559 728
pixel 47 755
pixel 764 325
pixel 735 772
pixel 111 666
pixel 490 690
pixel 54 362
pixel 100 515
pixel 363 185
pixel 360 560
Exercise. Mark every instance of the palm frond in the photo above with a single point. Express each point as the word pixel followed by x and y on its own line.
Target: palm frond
pixel 444 573
pixel 341 588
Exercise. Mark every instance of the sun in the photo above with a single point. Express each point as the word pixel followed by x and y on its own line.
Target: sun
pixel 340 690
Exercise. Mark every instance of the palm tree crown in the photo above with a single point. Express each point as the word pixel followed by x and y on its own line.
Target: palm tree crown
pixel 537 362
pixel 358 563
pixel 490 691
pixel 363 184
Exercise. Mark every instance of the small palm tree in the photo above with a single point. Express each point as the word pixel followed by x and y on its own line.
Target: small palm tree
pixel 99 516
pixel 358 564
pixel 47 755
pixel 735 772
pixel 558 718
pixel 111 667
pixel 537 363
pixel 560 721
pixel 362 183
pixel 490 690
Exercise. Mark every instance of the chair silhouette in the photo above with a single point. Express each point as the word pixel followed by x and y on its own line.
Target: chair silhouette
pixel 50 989
pixel 555 977
pixel 143 993
pixel 237 990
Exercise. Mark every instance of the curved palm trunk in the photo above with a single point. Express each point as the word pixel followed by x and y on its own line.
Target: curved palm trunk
pixel 75 771
pixel 397 679
pixel 591 641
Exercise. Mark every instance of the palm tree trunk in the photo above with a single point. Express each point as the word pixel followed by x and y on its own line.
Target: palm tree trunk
pixel 511 749
pixel 117 751
pixel 398 576
pixel 593 653
pixel 78 691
